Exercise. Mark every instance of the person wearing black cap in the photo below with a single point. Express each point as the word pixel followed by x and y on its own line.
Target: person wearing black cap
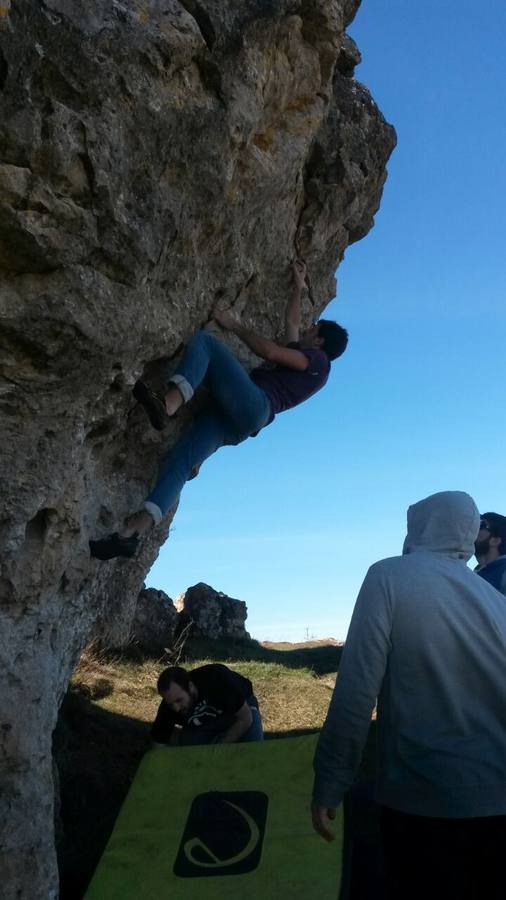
pixel 490 550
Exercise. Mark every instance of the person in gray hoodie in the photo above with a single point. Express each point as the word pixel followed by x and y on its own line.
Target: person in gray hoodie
pixel 427 641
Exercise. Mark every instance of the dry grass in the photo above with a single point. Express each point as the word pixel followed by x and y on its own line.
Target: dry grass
pixel 292 694
pixel 117 684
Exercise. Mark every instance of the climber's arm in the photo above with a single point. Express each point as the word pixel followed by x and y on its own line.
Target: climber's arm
pixel 292 311
pixel 263 347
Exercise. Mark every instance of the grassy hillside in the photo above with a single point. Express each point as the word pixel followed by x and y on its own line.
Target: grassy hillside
pixel 105 718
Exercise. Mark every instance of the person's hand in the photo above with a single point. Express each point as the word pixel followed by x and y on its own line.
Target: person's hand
pixel 299 272
pixel 322 816
pixel 225 318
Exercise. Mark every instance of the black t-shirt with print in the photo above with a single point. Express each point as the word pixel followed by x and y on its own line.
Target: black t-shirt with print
pixel 221 693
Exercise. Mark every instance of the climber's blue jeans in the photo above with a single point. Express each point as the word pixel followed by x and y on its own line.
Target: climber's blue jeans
pixel 240 409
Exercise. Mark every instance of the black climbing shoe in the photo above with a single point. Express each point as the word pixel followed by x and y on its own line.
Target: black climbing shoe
pixel 114 545
pixel 157 414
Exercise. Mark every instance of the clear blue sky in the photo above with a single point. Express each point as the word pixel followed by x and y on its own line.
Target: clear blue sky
pixel 290 521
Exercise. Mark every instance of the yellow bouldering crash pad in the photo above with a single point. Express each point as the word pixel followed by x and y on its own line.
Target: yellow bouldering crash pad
pixel 230 822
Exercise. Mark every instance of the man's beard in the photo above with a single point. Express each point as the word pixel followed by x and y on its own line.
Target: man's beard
pixel 481 548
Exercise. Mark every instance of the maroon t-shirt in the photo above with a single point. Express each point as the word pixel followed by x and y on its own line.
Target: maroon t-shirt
pixel 286 387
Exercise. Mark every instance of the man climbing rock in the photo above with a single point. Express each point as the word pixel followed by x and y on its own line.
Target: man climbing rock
pixel 243 402
pixel 209 705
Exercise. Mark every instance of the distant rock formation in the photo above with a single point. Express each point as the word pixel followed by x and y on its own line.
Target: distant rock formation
pixel 214 614
pixel 159 621
pixel 155 156
pixel 154 621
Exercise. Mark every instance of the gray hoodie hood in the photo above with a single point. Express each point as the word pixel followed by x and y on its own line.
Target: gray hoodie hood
pixel 447 523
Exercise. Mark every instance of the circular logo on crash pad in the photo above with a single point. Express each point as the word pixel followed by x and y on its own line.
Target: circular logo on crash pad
pixel 223 834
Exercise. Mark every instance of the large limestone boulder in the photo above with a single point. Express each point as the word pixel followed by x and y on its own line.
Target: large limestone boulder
pixel 211 613
pixel 155 156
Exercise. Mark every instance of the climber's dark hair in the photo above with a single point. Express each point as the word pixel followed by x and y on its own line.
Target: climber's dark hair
pixel 335 338
pixel 173 675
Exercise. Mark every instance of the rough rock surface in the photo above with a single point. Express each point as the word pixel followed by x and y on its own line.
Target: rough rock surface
pixel 154 621
pixel 213 613
pixel 155 155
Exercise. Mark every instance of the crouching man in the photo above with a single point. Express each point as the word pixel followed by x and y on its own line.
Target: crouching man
pixel 211 704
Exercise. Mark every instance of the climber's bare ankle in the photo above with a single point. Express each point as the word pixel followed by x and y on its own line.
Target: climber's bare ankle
pixel 173 400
